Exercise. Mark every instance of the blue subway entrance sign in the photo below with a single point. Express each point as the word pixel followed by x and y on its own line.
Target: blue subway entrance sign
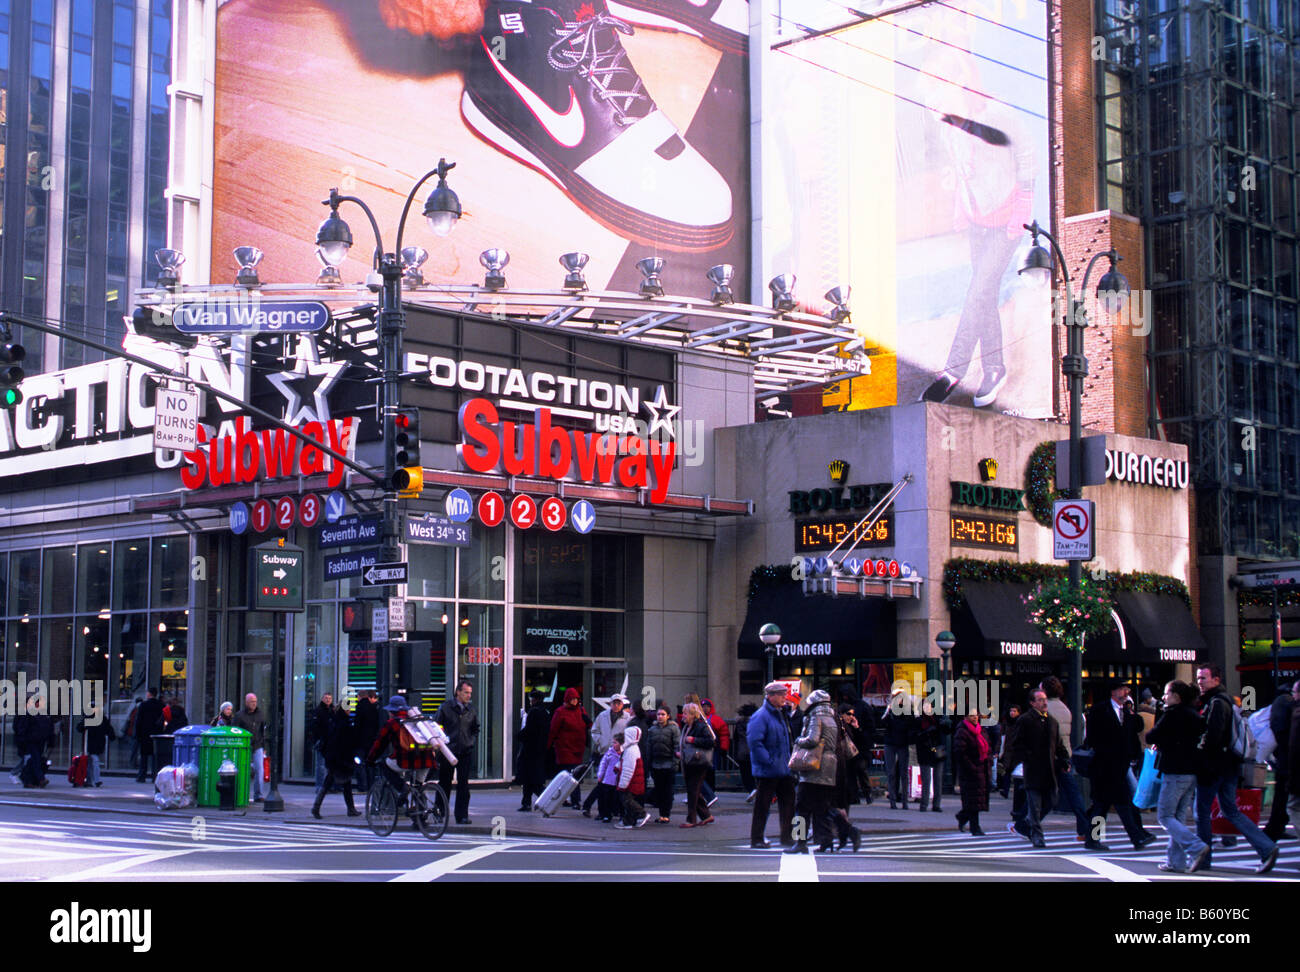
pixel 240 316
pixel 583 516
pixel 336 505
pixel 352 564
pixel 350 530
pixel 239 517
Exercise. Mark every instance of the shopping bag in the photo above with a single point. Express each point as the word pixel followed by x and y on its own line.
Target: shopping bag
pixel 1249 801
pixel 914 782
pixel 1148 788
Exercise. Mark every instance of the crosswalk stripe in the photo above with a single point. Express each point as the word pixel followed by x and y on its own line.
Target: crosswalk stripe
pixel 798 868
pixel 436 869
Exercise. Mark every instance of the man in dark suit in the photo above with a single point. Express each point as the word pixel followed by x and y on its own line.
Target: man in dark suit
pixel 1113 736
pixel 148 722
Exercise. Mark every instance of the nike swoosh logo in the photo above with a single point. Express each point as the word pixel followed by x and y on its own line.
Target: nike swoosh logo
pixel 567 128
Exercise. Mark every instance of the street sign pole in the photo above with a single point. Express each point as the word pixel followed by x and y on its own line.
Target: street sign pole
pixel 274 803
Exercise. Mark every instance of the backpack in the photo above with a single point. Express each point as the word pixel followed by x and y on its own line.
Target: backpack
pixel 1262 731
pixel 1239 742
pixel 416 733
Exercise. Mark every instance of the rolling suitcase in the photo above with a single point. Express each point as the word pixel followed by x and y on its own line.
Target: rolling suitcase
pixel 78 769
pixel 558 790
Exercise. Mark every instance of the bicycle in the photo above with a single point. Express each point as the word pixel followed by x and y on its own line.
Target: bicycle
pixel 425 804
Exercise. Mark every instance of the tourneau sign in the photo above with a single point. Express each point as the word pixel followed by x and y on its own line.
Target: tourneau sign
pixel 276 574
pixel 259 316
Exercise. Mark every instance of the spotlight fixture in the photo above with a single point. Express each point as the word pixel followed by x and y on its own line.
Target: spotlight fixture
pixel 464 622
pixel 720 276
pixel 444 619
pixel 782 296
pixel 443 206
pixel 650 268
pixel 413 258
pixel 334 237
pixel 248 257
pixel 839 298
pixel 573 264
pixel 170 261
pixel 494 260
pixel 329 274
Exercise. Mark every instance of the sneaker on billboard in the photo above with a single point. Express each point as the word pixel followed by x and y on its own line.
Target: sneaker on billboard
pixel 987 393
pixel 563 98
pixel 939 389
pixel 723 24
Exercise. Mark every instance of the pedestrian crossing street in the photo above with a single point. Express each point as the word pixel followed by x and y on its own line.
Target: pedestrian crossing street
pixel 73 848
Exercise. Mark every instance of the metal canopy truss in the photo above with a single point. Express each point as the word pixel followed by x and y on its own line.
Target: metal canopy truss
pixel 781 345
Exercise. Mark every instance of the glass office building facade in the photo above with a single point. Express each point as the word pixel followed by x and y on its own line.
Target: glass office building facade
pixel 84 127
pixel 1198 139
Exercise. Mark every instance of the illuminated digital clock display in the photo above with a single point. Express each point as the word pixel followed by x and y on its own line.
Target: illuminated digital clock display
pixel 825 534
pixel 968 530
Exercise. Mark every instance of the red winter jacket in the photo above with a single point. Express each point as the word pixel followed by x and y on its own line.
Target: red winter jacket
pixel 719 726
pixel 568 735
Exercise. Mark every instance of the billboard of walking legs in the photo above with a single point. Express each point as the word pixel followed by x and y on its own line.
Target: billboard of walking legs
pixel 903 155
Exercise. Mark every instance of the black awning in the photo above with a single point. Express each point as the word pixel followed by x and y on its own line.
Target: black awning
pixel 820 626
pixel 993 624
pixel 1157 628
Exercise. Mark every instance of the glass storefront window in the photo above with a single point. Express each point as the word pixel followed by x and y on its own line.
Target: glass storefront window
pixel 482 566
pixel 24 582
pixel 56 664
pixel 432 622
pixel 94 572
pixel 315 655
pixel 480 641
pixel 128 654
pixel 169 634
pixel 568 568
pixel 4 583
pixel 433 570
pixel 568 634
pixel 60 569
pixel 130 575
pixel 171 574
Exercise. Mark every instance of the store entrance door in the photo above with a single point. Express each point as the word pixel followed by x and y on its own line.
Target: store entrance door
pixel 595 678
pixel 252 673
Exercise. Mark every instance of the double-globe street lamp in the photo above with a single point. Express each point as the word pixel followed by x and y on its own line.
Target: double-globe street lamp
pixel 1112 289
pixel 334 238
pixel 770 635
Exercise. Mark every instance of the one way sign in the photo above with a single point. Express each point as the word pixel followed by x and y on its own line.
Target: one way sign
pixel 381 574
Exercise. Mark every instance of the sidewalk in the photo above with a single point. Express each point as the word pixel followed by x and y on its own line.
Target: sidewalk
pixel 732 814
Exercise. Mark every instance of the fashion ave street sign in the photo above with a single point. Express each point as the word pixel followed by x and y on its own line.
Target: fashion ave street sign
pixel 541 449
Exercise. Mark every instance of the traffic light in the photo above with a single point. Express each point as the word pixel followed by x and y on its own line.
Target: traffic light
pixel 409 478
pixel 11 375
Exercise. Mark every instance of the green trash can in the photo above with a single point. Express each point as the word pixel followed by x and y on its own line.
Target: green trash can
pixel 217 744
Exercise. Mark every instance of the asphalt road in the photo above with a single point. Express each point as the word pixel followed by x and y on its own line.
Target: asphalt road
pixel 45 844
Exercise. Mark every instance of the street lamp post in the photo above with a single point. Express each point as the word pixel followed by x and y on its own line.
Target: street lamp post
pixel 946 640
pixel 770 635
pixel 334 238
pixel 1111 288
